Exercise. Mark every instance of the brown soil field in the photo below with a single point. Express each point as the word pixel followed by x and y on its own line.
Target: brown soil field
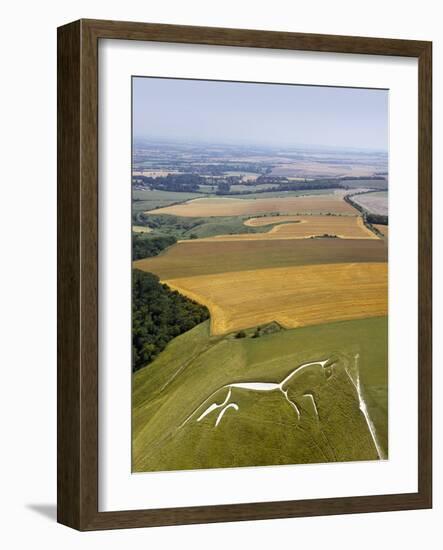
pixel 344 227
pixel 291 296
pixel 373 202
pixel 208 207
pixel 203 257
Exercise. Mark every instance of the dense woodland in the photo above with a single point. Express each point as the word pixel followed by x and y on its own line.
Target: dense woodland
pixel 171 182
pixel 159 314
pixel 145 246
pixel 284 184
pixel 381 176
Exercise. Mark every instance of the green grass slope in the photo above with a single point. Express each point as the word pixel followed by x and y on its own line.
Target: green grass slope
pixel 185 228
pixel 187 414
pixel 147 199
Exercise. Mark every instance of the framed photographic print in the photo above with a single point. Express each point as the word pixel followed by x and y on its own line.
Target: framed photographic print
pixel 244 280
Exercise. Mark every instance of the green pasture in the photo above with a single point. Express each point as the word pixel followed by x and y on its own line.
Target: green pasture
pixel 169 396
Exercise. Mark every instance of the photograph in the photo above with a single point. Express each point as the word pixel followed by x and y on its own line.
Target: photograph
pixel 259 274
pixel 229 321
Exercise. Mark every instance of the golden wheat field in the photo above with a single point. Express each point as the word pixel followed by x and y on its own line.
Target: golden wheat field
pixel 292 296
pixel 344 227
pixel 208 207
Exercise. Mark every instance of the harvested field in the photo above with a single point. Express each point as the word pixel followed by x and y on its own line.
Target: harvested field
pixel 384 229
pixel 302 227
pixel 376 203
pixel 200 257
pixel 292 296
pixel 208 207
pixel 314 169
pixel 141 229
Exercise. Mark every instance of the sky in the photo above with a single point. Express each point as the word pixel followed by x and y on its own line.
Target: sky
pixel 259 114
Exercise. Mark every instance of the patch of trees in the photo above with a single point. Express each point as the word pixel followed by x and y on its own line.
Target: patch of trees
pixel 159 314
pixel 348 199
pixel 223 188
pixel 259 331
pixel 172 182
pixel 290 186
pixel 379 219
pixel 145 246
pixel 377 177
pixel 271 179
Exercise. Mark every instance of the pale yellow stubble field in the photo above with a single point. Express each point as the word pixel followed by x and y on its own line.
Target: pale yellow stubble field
pixel 208 207
pixel 344 227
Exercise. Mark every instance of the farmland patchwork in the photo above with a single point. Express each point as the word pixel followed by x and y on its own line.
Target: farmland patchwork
pixel 259 276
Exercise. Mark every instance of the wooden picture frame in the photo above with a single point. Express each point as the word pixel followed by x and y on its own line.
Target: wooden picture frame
pixel 78 274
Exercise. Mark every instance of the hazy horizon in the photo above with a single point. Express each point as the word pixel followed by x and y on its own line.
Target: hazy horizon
pixel 262 115
pixel 195 142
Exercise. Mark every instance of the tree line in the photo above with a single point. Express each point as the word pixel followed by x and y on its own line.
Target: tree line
pixel 192 183
pixel 171 182
pixel 369 218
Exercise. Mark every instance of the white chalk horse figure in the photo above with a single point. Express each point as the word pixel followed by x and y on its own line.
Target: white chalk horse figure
pixel 295 388
pixel 210 405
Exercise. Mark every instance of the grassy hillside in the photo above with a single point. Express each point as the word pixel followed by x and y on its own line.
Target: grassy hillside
pixel 158 315
pixel 155 198
pixel 186 228
pixel 196 371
